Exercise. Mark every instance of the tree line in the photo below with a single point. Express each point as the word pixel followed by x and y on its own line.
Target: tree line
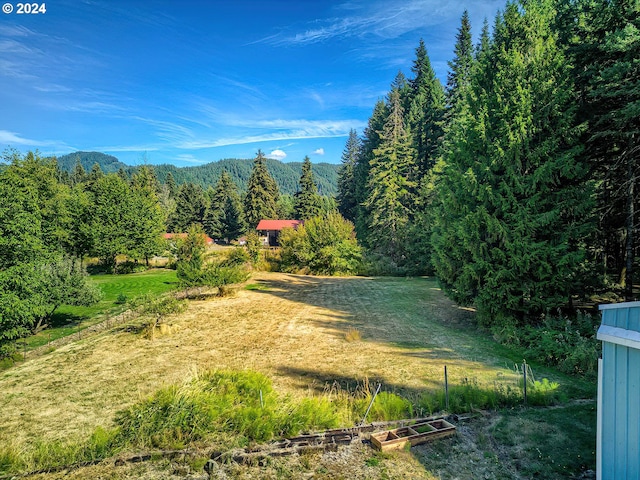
pixel 50 220
pixel 516 182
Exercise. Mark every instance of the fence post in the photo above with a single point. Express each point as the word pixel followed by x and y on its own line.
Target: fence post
pixel 524 375
pixel 446 389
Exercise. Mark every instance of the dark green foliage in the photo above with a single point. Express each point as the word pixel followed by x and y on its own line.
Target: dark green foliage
pixel 605 37
pixel 324 245
pixel 86 160
pixel 425 113
pixel 224 215
pixel 370 142
pixel 262 195
pixel 391 183
pixel 347 183
pixel 145 232
pixel 190 208
pixel 459 74
pixel 306 202
pixel 514 200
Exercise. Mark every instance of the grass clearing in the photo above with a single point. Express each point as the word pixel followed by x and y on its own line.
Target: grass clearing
pixel 115 288
pixel 292 329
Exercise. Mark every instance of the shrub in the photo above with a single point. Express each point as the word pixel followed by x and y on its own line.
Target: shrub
pixel 326 245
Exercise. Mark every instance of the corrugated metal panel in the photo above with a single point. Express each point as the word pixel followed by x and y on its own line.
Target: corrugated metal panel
pixel 620 397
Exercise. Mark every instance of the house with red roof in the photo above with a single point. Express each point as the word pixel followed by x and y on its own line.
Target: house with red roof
pixel 269 230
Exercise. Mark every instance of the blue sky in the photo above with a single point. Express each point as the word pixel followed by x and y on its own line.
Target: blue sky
pixel 190 82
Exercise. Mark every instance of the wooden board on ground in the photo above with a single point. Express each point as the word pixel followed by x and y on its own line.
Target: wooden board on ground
pixel 398 438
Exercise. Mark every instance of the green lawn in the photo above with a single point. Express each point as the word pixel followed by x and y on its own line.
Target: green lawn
pixel 68 320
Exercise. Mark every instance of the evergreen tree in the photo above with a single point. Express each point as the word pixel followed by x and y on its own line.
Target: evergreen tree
pixel 390 184
pixel 515 201
pixel 347 199
pixel 306 202
pixel 607 51
pixel 79 174
pixel 147 226
pixel 425 113
pixel 224 217
pixel 171 185
pixel 371 141
pixel 459 74
pixel 261 199
pixel 190 207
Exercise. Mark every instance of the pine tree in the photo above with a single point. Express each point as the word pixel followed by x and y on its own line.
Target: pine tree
pixel 459 74
pixel 306 203
pixel 371 141
pixel 514 198
pixel 347 200
pixel 390 183
pixel 262 195
pixel 224 217
pixel 171 185
pixel 148 221
pixel 190 207
pixel 425 113
pixel 606 51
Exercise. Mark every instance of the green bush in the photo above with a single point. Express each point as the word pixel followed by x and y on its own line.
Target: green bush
pixel 325 245
pixel 567 344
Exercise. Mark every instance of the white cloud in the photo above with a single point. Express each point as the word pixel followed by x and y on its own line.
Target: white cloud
pixel 319 151
pixel 277 155
pixel 13 139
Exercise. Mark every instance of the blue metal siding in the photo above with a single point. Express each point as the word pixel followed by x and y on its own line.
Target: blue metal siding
pixel 620 402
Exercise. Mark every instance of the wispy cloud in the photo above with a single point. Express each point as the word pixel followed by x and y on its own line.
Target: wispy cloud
pixel 127 148
pixel 14 139
pixel 382 19
pixel 277 130
pixel 319 151
pixel 187 157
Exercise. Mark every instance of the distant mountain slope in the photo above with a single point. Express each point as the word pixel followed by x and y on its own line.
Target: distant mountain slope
pixel 285 174
pixel 108 163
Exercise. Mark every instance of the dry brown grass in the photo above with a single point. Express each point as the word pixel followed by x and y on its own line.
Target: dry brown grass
pixel 291 328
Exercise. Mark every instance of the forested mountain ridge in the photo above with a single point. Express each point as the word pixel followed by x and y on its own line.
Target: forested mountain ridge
pixel 286 175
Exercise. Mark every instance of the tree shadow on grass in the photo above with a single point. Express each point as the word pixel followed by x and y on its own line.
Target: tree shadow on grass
pixel 59 320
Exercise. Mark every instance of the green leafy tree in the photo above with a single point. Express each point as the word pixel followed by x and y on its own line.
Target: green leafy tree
pixel 261 199
pixel 306 201
pixel 113 215
pixel 190 261
pixel 147 219
pixel 326 245
pixel 63 282
pixel 347 197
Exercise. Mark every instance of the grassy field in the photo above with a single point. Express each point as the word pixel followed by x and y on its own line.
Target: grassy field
pixel 68 319
pixel 312 336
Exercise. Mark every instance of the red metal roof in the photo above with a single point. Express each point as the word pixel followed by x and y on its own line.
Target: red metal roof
pixel 277 224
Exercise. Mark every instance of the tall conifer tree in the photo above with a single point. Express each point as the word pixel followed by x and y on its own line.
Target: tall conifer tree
pixel 306 202
pixel 514 196
pixel 261 200
pixel 390 183
pixel 347 198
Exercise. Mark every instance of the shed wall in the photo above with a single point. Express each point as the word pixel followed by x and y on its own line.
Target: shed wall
pixel 619 402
